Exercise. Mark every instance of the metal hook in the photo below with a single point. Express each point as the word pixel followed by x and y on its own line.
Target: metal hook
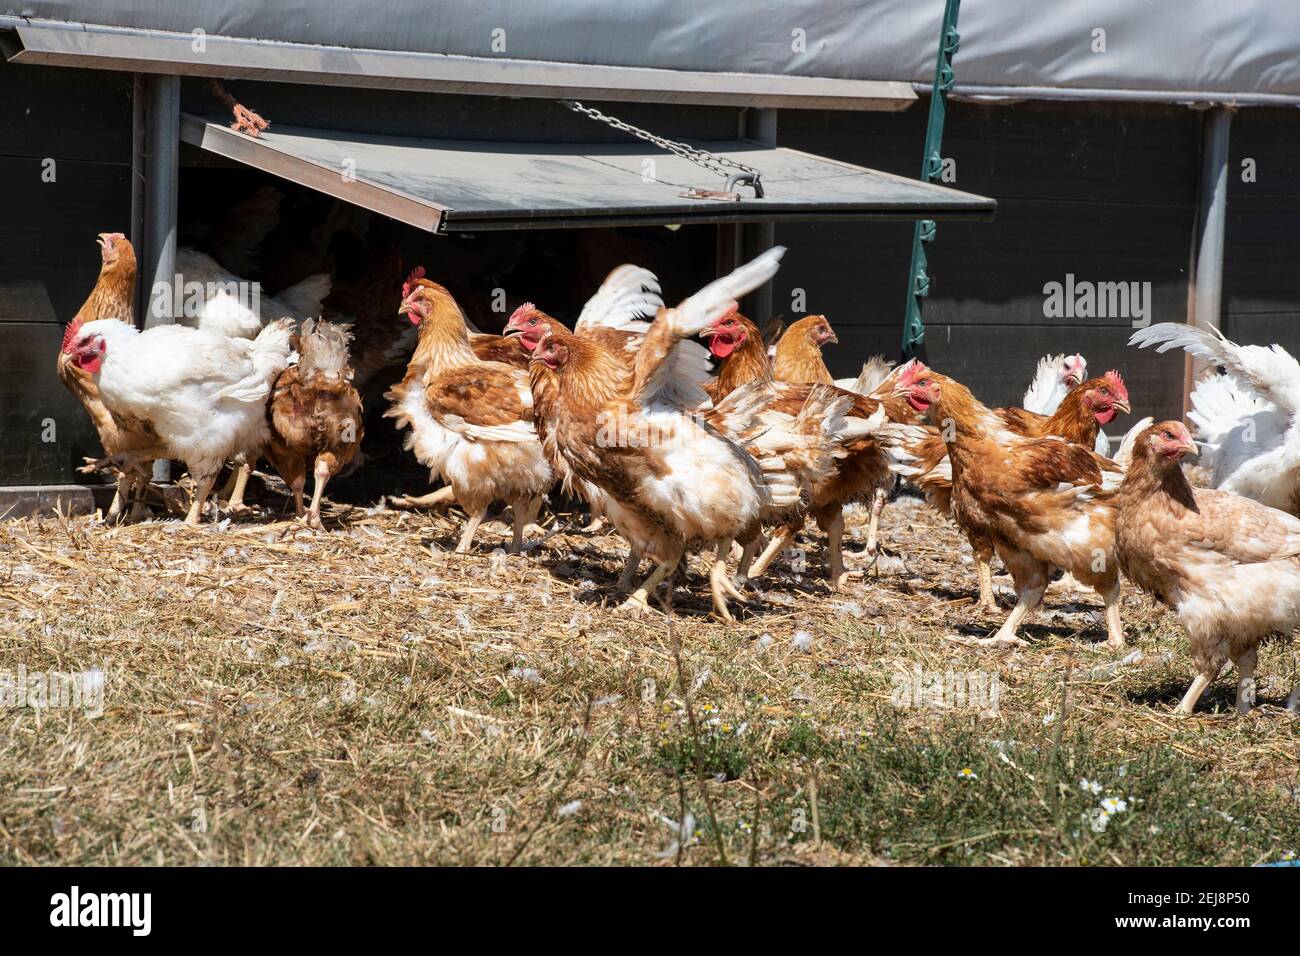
pixel 748 179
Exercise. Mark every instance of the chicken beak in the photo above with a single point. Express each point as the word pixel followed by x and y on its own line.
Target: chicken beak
pixel 404 309
pixel 832 338
pixel 709 333
pixel 1123 406
pixel 1189 448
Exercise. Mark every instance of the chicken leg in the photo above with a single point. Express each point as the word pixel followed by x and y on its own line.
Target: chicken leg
pixel 296 486
pixel 471 526
pixel 202 488
pixel 987 600
pixel 1246 681
pixel 1188 703
pixel 439 498
pixel 320 476
pixel 238 484
pixel 1114 626
pixel 835 546
pixel 873 528
pixel 774 547
pixel 1030 576
pixel 720 585
pixel 523 512
pixel 628 577
pixel 747 559
pixel 638 602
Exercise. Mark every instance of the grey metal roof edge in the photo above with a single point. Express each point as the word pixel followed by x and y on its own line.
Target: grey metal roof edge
pixel 984 92
pixel 154 51
pixel 198 131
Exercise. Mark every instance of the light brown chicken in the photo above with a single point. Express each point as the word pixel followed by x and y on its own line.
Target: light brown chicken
pixel 1227 565
pixel 471 421
pixel 113 297
pixel 867 462
pixel 799 352
pixel 1079 418
pixel 315 414
pixel 1039 501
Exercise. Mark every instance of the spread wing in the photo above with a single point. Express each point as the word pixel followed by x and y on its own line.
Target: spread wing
pixel 628 296
pixel 1271 371
pixel 665 367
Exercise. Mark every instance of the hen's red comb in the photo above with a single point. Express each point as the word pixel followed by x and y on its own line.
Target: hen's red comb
pixel 416 275
pixel 911 372
pixel 1116 383
pixel 70 333
pixel 521 313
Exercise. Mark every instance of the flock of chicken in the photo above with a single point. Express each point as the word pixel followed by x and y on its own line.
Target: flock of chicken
pixel 685 431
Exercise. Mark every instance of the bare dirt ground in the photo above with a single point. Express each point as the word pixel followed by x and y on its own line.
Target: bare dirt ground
pixel 255 692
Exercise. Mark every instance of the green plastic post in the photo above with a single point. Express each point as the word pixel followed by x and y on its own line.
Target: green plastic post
pixel 918 285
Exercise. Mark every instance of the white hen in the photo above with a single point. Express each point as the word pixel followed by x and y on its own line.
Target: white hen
pixel 1055 376
pixel 219 301
pixel 1246 419
pixel 202 393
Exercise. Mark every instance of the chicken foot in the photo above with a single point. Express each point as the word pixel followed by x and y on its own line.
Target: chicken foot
pixel 779 540
pixel 238 484
pixel 439 498
pixel 638 602
pixel 1188 703
pixel 720 584
pixel 202 488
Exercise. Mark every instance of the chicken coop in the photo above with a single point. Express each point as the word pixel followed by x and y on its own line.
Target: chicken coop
pixel 520 153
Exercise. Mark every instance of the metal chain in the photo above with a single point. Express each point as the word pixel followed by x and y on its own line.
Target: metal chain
pixel 700 157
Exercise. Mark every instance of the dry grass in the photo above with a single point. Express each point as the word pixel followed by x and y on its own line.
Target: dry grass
pixel 276 695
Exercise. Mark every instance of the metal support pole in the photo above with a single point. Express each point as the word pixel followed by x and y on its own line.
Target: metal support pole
pixel 760 126
pixel 1212 217
pixel 918 284
pixel 139 127
pixel 162 168
pixel 157 257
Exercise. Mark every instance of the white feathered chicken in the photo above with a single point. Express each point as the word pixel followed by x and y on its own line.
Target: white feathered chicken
pixel 874 371
pixel 1246 419
pixel 225 309
pixel 1055 376
pixel 203 394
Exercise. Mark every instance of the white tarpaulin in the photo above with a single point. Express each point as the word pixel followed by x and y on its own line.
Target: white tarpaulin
pixel 1205 50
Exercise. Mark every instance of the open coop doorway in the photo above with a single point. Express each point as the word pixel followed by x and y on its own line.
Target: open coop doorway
pixel 263 229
